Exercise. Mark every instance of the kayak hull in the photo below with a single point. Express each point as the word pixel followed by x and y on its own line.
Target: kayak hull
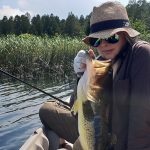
pixel 37 141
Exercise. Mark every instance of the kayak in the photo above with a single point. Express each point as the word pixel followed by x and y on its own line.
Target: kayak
pixel 42 139
pixel 37 141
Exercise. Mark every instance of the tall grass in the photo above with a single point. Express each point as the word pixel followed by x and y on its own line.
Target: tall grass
pixel 32 57
pixel 39 57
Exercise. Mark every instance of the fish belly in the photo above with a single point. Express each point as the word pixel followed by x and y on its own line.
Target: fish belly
pixel 86 128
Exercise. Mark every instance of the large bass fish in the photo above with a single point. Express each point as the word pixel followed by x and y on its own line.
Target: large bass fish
pixel 93 99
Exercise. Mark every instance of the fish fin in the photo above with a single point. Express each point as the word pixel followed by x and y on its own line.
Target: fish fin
pixel 91 99
pixel 75 107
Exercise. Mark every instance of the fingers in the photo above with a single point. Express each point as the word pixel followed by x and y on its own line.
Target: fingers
pixel 91 53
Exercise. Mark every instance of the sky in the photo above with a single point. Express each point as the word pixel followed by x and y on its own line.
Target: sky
pixel 59 8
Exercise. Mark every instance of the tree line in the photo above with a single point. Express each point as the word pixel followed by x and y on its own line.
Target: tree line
pixel 138 11
pixel 46 24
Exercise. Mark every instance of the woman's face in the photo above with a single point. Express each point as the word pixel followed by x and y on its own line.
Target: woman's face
pixel 110 51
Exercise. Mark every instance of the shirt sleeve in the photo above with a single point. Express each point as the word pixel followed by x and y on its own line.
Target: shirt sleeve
pixel 139 108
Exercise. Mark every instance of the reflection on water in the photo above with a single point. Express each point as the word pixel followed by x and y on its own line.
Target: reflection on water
pixel 19 106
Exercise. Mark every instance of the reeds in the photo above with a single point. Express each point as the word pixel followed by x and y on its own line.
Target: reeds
pixel 33 57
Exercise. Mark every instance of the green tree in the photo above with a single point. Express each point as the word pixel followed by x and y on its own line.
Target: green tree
pixel 11 25
pixel 46 24
pixel 24 24
pixel 139 10
pixel 132 8
pixel 54 25
pixel 72 26
pixel 4 26
pixel 36 25
pixel 62 26
pixel 87 24
pixel 17 25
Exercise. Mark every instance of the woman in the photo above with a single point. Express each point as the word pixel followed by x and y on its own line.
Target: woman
pixel 114 39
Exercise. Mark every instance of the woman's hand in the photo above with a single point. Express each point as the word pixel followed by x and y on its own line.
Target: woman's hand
pixel 80 61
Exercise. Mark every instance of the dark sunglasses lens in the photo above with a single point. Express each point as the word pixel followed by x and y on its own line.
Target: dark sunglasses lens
pixel 113 39
pixel 93 42
pixel 97 43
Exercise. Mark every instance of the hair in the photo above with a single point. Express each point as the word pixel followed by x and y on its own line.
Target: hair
pixel 131 40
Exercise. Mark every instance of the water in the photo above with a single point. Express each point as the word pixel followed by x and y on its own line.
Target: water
pixel 19 106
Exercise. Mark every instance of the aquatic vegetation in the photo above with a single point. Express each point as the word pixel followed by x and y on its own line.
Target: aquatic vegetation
pixel 37 57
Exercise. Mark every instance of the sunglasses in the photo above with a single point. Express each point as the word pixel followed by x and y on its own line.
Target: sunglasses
pixel 95 42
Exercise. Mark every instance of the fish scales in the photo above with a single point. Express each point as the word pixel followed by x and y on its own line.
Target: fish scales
pixel 92 103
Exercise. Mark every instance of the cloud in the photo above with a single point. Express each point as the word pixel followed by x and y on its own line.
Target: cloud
pixel 23 3
pixel 8 11
pixel 60 8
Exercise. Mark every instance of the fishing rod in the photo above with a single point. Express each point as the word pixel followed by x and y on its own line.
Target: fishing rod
pixel 6 73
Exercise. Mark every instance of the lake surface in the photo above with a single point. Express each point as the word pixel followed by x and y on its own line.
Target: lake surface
pixel 19 106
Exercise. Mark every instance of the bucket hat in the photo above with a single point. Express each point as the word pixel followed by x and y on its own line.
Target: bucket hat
pixel 109 18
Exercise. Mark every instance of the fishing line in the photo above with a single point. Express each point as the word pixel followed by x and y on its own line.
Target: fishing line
pixel 56 98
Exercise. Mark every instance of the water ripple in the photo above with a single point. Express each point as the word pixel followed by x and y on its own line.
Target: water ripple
pixel 19 106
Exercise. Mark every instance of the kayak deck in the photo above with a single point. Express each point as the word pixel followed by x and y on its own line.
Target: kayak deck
pixel 37 141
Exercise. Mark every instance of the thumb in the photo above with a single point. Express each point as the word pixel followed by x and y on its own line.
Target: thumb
pixel 92 54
